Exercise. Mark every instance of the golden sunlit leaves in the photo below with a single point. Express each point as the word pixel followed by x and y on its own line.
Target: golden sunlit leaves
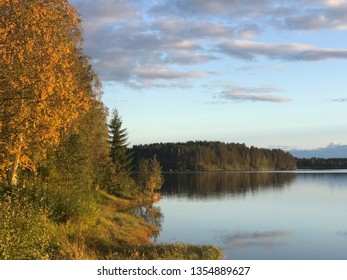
pixel 43 80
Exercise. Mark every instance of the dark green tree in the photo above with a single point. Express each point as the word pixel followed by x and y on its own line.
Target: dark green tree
pixel 119 142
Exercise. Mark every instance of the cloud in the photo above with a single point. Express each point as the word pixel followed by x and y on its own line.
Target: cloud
pixel 249 31
pixel 249 50
pixel 335 3
pixel 150 43
pixel 210 8
pixel 340 99
pixel 315 21
pixel 128 46
pixel 239 93
pixel 314 16
pixel 308 15
pixel 150 73
pixel 100 13
pixel 249 97
pixel 187 28
pixel 257 239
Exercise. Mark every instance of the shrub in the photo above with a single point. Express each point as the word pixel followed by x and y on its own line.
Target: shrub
pixel 66 203
pixel 119 183
pixel 150 176
pixel 23 228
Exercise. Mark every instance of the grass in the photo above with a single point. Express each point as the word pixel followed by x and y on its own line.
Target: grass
pixel 112 234
pixel 177 251
pixel 118 235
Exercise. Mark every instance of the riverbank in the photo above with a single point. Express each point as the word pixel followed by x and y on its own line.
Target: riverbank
pixel 116 234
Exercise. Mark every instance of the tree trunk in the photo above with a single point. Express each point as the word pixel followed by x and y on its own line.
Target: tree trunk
pixel 14 172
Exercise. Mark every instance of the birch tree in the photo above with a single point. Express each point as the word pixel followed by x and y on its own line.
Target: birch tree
pixel 41 80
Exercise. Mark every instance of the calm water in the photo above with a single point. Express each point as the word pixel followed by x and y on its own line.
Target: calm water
pixel 257 215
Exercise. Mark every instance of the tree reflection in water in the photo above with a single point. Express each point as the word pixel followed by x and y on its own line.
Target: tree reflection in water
pixel 211 185
pixel 152 215
pixel 219 184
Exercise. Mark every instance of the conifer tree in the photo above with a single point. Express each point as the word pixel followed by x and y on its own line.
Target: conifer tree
pixel 119 142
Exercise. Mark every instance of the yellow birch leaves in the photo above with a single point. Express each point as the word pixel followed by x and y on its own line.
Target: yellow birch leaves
pixel 42 89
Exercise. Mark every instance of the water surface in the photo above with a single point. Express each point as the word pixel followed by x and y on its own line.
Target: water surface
pixel 257 215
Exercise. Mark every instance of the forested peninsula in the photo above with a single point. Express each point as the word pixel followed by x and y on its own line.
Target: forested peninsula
pixel 214 156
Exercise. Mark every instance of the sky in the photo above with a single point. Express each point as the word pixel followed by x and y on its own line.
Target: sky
pixel 264 73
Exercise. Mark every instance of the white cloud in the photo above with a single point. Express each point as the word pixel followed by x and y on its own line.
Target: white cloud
pixel 308 15
pixel 335 3
pixel 216 7
pixel 340 99
pixel 249 31
pixel 186 57
pixel 185 28
pixel 123 36
pixel 100 13
pixel 292 52
pixel 150 73
pixel 254 94
pixel 254 98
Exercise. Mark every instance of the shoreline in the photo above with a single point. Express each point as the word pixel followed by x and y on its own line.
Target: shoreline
pixel 119 235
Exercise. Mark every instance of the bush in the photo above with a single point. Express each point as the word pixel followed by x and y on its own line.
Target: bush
pixel 119 183
pixel 24 232
pixel 150 176
pixel 66 203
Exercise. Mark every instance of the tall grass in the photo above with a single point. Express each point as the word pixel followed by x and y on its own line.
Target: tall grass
pixel 24 231
pixel 66 203
pixel 41 222
pixel 177 251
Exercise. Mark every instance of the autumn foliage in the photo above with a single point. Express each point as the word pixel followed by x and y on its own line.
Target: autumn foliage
pixel 55 157
pixel 43 77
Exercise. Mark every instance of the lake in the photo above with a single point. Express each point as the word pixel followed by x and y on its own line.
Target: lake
pixel 257 215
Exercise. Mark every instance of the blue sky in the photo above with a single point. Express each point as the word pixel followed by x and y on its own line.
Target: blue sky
pixel 264 73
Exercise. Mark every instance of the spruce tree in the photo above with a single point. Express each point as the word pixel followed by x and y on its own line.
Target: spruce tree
pixel 119 143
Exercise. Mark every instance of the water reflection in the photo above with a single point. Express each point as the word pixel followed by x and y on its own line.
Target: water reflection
pixel 268 239
pixel 214 185
pixel 332 179
pixel 294 215
pixel 152 215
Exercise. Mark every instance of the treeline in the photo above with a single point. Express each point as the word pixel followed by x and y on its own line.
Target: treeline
pixel 210 156
pixel 322 163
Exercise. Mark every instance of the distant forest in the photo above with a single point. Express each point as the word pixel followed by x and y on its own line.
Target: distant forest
pixel 213 156
pixel 322 163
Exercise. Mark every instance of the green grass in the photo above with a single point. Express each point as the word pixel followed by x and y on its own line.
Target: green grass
pixel 112 233
pixel 178 251
pixel 118 235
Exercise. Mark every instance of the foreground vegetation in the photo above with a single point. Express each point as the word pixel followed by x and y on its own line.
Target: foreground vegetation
pixel 29 232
